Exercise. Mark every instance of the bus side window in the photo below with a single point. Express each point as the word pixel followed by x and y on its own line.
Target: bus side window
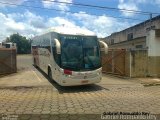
pixel 57 57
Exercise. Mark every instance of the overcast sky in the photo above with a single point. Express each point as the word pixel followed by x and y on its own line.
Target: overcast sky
pixel 30 21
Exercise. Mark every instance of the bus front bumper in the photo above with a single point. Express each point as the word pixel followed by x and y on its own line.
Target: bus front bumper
pixel 69 81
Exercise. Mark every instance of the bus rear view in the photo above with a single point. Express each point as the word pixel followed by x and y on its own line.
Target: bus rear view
pixel 74 58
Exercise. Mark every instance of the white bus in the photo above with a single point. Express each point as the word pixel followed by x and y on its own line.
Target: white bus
pixel 70 56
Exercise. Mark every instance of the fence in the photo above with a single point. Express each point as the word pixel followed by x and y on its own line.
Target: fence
pixel 114 62
pixel 131 63
pixel 8 61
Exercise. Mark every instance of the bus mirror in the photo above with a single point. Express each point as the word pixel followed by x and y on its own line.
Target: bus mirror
pixel 58 46
pixel 103 47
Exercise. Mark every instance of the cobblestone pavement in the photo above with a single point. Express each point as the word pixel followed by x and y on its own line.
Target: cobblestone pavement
pixel 29 93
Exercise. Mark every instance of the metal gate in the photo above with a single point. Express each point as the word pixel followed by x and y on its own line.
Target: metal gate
pixel 8 63
pixel 114 62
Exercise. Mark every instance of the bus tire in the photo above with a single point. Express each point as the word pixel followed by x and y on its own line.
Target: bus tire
pixel 49 73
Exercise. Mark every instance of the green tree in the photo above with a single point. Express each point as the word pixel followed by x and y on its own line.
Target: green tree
pixel 23 44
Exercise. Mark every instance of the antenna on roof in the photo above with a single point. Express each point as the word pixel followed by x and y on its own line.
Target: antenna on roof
pixel 151 16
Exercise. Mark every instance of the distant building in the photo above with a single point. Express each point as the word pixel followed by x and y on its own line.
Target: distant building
pixel 7 45
pixel 10 45
pixel 135 36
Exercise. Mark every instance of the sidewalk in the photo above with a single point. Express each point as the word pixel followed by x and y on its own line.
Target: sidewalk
pixel 149 81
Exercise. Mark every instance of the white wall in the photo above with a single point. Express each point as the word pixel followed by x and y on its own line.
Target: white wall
pixel 153 44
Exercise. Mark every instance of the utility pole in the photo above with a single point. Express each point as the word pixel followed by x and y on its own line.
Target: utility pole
pixel 150 16
pixel 150 22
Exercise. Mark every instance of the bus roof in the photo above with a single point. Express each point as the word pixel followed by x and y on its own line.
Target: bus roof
pixel 71 31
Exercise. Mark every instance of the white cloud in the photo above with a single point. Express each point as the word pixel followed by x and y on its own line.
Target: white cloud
pixel 18 2
pixel 34 20
pixel 157 2
pixel 128 5
pixel 59 21
pixel 29 24
pixel 9 26
pixel 48 4
pixel 15 16
pixel 135 5
pixel 55 4
pixel 12 25
pixel 101 25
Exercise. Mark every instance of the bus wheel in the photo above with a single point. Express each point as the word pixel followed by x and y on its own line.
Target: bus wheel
pixel 49 73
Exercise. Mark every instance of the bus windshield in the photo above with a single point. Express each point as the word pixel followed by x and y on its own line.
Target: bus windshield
pixel 80 53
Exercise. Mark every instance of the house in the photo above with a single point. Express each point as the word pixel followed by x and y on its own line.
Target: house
pixel 141 46
pixel 135 36
pixel 7 45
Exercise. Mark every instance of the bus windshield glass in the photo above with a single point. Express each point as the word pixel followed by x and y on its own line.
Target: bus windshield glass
pixel 80 53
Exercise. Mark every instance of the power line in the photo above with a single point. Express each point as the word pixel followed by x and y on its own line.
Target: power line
pixel 79 6
pixel 104 7
pixel 91 7
pixel 82 6
pixel 36 7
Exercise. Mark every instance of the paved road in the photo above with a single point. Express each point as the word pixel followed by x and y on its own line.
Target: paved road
pixel 30 92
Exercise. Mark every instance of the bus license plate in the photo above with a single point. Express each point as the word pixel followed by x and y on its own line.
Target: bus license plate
pixel 84 81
